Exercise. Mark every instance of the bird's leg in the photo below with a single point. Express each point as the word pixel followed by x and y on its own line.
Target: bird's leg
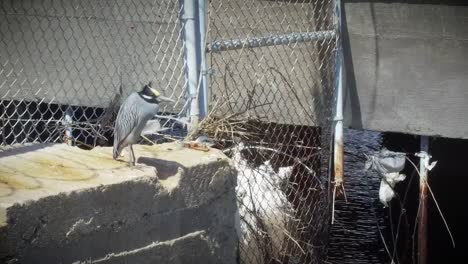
pixel 129 148
pixel 132 156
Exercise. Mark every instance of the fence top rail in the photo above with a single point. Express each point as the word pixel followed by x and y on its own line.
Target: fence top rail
pixel 272 40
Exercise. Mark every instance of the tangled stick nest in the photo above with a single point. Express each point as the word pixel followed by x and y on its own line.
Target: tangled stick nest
pixel 234 127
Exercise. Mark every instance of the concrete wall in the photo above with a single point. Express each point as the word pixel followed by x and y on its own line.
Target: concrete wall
pixel 60 204
pixel 407 68
pixel 79 52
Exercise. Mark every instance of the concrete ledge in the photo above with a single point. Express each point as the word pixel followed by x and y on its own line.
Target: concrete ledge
pixel 62 205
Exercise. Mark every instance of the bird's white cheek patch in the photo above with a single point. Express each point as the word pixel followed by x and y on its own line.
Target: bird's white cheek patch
pixel 147 97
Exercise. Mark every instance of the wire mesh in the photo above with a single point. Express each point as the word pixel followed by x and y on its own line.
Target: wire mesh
pixel 271 88
pixel 65 65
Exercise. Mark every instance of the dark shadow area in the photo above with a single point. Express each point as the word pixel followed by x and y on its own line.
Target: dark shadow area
pixel 24 122
pixel 40 122
pixel 354 237
pixel 448 181
pixel 401 214
pixel 350 90
pixel 165 168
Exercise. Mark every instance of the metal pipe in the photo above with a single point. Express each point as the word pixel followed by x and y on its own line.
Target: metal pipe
pixel 338 133
pixel 68 121
pixel 338 137
pixel 422 215
pixel 255 42
pixel 191 67
pixel 338 174
pixel 203 95
pixel 338 119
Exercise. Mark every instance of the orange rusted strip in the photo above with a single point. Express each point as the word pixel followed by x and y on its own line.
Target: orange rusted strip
pixel 196 146
pixel 422 224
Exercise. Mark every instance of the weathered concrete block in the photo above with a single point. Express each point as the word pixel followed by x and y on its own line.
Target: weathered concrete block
pixel 406 67
pixel 60 204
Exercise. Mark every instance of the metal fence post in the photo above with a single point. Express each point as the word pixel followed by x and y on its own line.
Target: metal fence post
pixel 422 214
pixel 203 93
pixel 68 120
pixel 338 118
pixel 188 18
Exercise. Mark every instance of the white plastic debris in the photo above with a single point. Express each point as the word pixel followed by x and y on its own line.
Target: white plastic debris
pixel 425 159
pixel 386 192
pixel 388 164
pixel 261 203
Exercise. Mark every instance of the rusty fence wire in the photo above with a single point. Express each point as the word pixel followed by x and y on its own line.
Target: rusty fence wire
pixel 65 65
pixel 271 68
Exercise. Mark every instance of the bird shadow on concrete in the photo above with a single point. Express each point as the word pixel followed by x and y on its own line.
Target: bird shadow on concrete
pixel 165 168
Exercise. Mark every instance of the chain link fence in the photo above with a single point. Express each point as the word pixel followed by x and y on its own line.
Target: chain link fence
pixel 271 80
pixel 65 65
pixel 268 74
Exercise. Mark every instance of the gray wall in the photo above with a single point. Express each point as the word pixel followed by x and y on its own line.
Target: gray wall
pixel 407 67
pixel 79 51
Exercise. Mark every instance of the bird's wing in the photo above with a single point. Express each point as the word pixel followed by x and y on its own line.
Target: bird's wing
pixel 127 120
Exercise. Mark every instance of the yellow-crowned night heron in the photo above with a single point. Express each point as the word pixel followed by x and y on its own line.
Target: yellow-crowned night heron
pixel 134 113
